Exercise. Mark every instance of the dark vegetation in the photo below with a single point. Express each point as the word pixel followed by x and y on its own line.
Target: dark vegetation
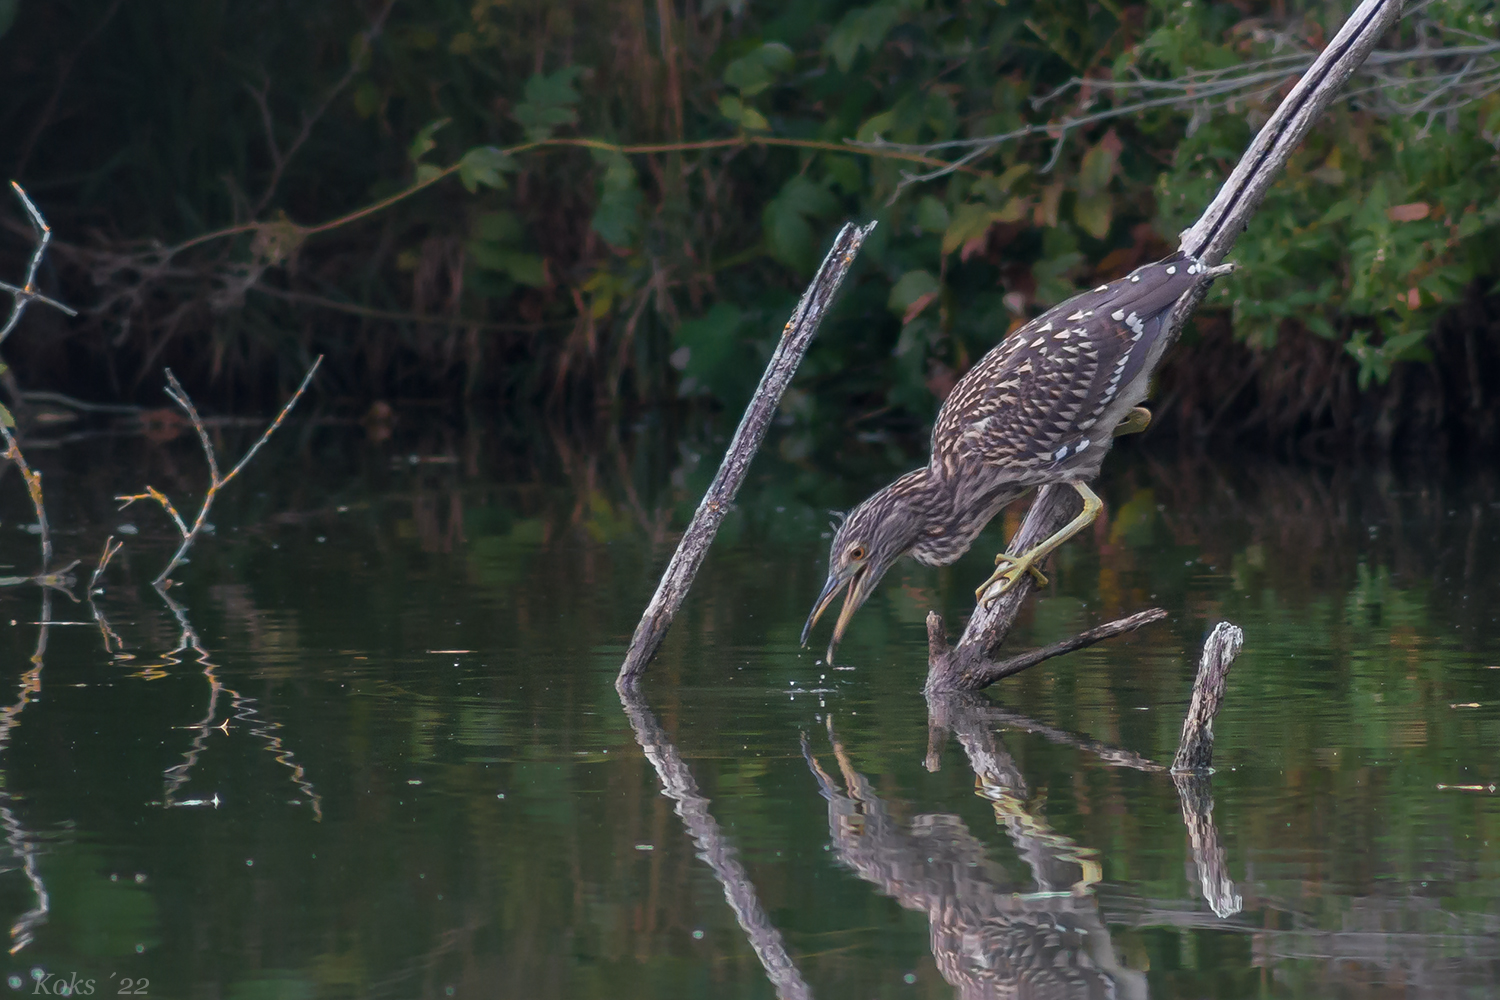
pixel 598 205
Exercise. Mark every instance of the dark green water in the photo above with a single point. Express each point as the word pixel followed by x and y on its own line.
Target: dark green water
pixel 375 750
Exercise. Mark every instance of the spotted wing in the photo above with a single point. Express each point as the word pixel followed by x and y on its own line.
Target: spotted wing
pixel 1046 386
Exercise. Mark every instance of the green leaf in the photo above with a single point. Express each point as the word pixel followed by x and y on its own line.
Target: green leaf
pixel 789 236
pixel 1099 164
pixel 428 172
pixel 423 143
pixel 861 28
pixel 498 227
pixel 742 114
pixel 8 10
pixel 5 417
pixel 910 287
pixel 548 103
pixel 877 126
pixel 969 221
pixel 1093 213
pixel 617 216
pixel 711 355
pixel 484 165
pixel 752 73
pixel 522 268
pixel 808 198
pixel 932 215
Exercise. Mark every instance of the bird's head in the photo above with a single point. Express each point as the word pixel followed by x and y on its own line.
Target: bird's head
pixel 873 536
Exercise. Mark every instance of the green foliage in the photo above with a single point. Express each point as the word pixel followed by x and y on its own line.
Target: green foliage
pixel 616 183
pixel 549 103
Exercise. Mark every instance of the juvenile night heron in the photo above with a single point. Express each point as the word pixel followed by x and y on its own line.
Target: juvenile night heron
pixel 1043 406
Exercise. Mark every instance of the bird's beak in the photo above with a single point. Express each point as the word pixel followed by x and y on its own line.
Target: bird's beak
pixel 858 591
pixel 830 591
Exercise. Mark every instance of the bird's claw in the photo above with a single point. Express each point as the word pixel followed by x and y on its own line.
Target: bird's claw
pixel 1014 567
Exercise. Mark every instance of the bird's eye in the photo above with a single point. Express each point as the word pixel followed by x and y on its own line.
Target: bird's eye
pixel 857 553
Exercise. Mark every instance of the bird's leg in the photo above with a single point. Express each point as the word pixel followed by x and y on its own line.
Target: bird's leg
pixel 1015 566
pixel 1009 562
pixel 1137 420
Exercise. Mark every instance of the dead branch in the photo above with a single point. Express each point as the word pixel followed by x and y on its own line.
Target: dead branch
pixel 1195 750
pixel 26 294
pixel 111 547
pixel 714 848
pixel 1209 239
pixel 711 511
pixel 216 482
pixel 969 672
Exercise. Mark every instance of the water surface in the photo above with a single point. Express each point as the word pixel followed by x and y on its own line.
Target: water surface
pixel 369 745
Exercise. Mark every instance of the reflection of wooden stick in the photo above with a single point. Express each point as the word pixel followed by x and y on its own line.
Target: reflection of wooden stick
pixel 1210 239
pixel 1203 839
pixel 752 430
pixel 216 482
pixel 948 672
pixel 1195 751
pixel 714 848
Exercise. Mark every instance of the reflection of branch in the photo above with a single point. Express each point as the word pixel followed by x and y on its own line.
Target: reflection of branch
pixel 1203 838
pixel 16 836
pixel 974 709
pixel 967 670
pixel 58 579
pixel 970 717
pixel 712 509
pixel 715 849
pixel 27 293
pixel 244 710
pixel 216 482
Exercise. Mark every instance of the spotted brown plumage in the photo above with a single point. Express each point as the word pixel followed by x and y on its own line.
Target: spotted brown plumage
pixel 1041 407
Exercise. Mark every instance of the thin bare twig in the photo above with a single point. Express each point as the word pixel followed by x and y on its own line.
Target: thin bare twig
pixel 26 294
pixel 281 157
pixel 33 481
pixel 111 547
pixel 1205 92
pixel 216 482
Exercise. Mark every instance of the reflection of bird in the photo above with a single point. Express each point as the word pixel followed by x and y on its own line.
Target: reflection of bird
pixel 1041 407
pixel 990 938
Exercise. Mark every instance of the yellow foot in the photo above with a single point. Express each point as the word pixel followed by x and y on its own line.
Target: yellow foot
pixel 1137 420
pixel 1008 570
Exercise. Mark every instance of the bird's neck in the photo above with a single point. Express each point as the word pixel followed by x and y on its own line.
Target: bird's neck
pixel 951 513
